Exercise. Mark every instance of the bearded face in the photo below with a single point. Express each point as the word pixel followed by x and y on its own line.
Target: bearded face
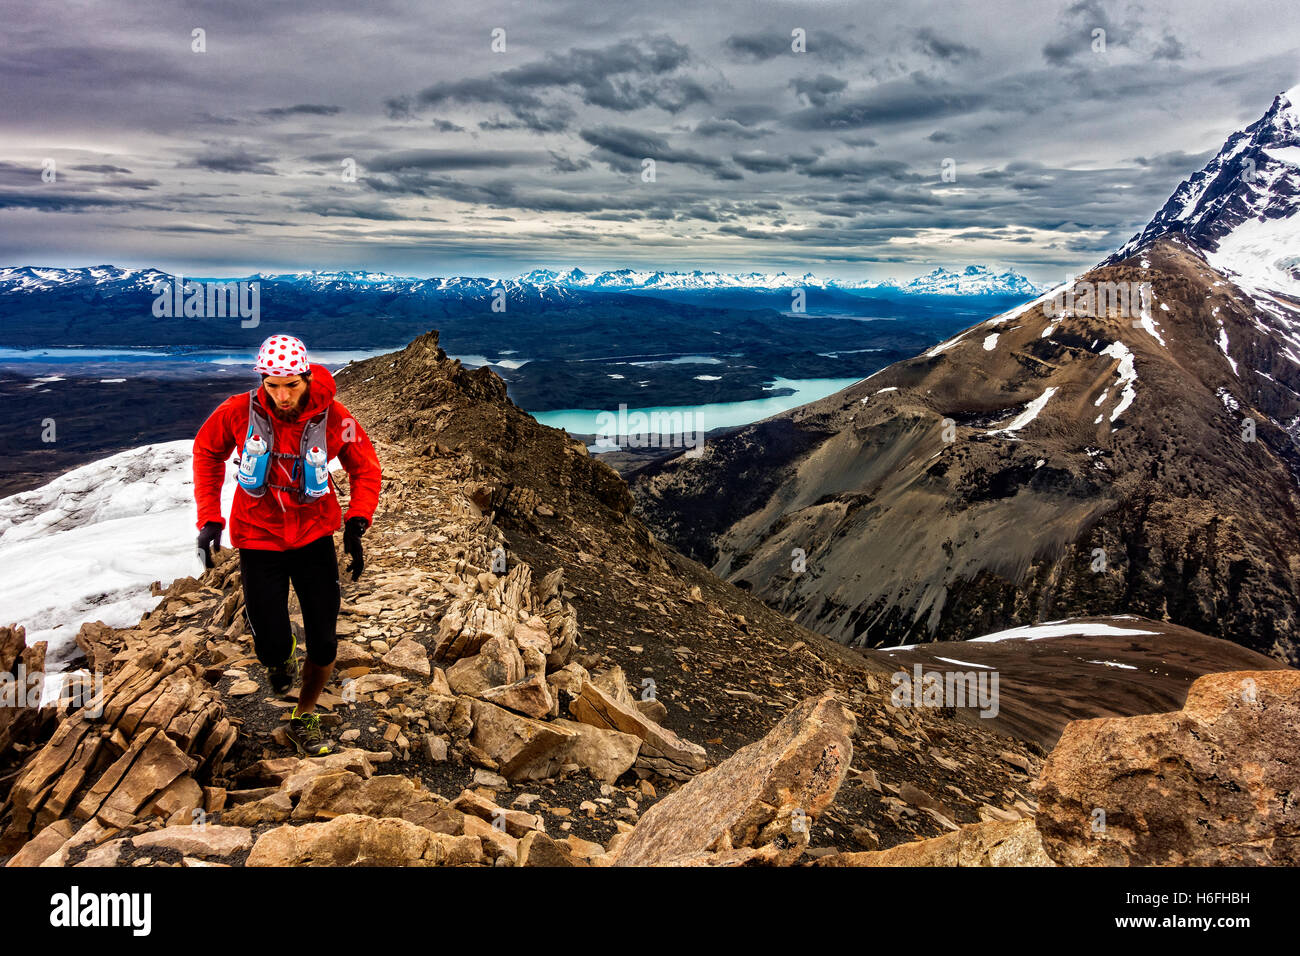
pixel 290 414
pixel 288 395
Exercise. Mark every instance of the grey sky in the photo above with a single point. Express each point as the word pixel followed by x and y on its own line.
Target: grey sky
pixel 476 162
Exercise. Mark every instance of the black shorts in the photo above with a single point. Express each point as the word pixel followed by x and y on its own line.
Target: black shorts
pixel 313 570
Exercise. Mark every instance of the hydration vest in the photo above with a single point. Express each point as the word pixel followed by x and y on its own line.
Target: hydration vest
pixel 313 436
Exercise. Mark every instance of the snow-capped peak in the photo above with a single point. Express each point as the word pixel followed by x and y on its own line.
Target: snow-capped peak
pixel 1240 209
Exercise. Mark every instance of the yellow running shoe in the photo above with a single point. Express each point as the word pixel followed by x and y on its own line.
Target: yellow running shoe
pixel 307 736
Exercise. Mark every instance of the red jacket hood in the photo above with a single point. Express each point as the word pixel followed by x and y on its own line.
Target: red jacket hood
pixel 322 392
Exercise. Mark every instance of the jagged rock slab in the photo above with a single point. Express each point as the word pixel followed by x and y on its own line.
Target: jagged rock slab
pixel 19 722
pixel 661 749
pixel 763 798
pixel 517 823
pixel 141 746
pixel 198 841
pixel 467 624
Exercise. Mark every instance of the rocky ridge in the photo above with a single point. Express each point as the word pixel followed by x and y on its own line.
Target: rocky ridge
pixel 536 712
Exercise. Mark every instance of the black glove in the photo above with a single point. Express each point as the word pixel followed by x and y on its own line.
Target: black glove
pixel 210 536
pixel 353 529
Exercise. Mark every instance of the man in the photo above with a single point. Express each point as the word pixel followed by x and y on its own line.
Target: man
pixel 284 514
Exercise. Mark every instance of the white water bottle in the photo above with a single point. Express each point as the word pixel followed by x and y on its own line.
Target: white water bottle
pixel 252 463
pixel 318 473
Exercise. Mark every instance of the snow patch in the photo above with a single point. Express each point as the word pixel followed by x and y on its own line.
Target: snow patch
pixel 887 388
pixel 1127 667
pixel 1223 346
pixel 1126 374
pixel 44 380
pixel 1145 321
pixel 945 346
pixel 1036 632
pixel 1028 415
pixel 1229 402
pixel 949 660
pixel 87 545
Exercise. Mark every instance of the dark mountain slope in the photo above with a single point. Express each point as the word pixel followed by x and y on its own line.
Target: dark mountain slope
pixel 1076 443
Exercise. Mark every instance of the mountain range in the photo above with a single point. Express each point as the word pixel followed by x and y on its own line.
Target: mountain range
pixel 1059 459
pixel 973 280
pixel 108 306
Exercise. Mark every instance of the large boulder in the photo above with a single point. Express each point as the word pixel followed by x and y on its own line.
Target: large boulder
pixel 524 749
pixel 530 697
pixel 338 792
pixel 538 849
pixel 606 754
pixel 758 805
pixel 410 658
pixel 497 663
pixel 533 634
pixel 1213 784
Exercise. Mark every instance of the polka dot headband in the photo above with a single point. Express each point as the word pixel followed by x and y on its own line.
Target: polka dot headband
pixel 282 355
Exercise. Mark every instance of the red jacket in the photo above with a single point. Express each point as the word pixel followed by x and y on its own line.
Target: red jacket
pixel 275 521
